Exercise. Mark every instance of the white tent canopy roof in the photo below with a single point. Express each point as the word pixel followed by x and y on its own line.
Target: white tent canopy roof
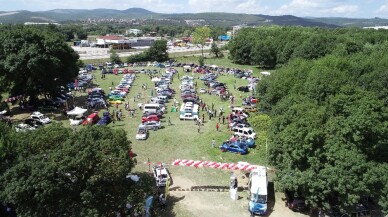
pixel 77 111
pixel 265 73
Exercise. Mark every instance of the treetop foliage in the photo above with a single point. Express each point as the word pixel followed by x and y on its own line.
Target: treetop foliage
pixel 329 114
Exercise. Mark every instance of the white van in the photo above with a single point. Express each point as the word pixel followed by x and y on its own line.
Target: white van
pixel 153 108
pixel 248 132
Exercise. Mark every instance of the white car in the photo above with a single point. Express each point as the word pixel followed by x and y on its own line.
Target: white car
pixel 202 90
pixel 24 128
pixel 142 133
pixel 188 116
pixel 161 175
pixel 154 125
pixel 77 120
pixel 40 117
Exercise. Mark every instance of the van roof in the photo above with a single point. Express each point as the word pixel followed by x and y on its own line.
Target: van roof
pixel 259 181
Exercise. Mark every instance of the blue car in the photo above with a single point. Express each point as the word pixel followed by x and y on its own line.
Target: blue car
pixel 105 120
pixel 247 142
pixel 234 147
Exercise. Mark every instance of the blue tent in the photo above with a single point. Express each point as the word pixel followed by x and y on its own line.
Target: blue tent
pixel 224 37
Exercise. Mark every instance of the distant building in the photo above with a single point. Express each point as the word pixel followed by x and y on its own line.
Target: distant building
pixel 237 28
pixel 134 31
pixel 113 41
pixel 32 23
pixel 142 42
pixel 376 27
pixel 152 34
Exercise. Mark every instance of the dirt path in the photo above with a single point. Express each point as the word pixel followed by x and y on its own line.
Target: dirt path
pixel 219 204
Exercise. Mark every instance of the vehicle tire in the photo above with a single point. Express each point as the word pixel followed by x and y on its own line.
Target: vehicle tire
pixel 155 128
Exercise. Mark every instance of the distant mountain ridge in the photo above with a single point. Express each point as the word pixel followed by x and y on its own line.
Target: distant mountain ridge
pixel 221 19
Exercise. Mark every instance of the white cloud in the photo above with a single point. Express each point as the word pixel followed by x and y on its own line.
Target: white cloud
pixel 317 8
pixel 231 6
pixel 162 6
pixel 383 9
pixel 345 9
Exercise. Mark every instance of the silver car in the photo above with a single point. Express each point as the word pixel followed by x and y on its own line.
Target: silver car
pixel 152 125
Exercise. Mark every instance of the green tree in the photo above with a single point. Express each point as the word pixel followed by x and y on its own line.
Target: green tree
pixel 158 51
pixel 201 35
pixel 35 60
pixel 53 171
pixel 114 57
pixel 215 49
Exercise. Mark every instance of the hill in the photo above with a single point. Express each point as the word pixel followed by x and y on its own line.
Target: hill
pixel 218 19
pixel 351 22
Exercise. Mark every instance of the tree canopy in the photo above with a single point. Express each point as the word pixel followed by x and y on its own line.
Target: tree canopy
pixel 157 52
pixel 329 120
pixel 274 46
pixel 55 172
pixel 201 35
pixel 35 60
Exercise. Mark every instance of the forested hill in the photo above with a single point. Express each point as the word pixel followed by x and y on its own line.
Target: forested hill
pixel 219 19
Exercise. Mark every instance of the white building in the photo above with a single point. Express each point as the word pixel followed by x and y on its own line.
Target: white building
pixel 134 31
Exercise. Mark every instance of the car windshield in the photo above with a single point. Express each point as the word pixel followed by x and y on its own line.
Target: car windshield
pixel 257 198
pixel 141 131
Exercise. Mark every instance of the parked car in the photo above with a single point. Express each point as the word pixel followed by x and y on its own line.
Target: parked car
pixel 91 119
pixel 77 120
pixel 23 128
pixel 33 123
pixel 150 118
pixel 188 116
pixel 154 125
pixel 142 132
pixel 105 119
pixel 234 147
pixel 294 201
pixel 161 174
pixel 243 89
pixel 40 117
pixel 159 114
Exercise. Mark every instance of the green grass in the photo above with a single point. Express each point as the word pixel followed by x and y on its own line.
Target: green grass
pixel 181 140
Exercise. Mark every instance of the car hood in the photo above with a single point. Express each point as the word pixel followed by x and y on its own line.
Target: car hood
pixel 255 207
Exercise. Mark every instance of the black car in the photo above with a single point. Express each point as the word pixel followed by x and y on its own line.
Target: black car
pixel 243 89
pixel 33 123
pixel 294 201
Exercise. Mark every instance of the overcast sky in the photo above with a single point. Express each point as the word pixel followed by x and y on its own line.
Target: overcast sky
pixel 315 8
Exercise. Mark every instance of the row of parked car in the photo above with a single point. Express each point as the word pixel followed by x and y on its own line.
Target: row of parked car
pixel 154 110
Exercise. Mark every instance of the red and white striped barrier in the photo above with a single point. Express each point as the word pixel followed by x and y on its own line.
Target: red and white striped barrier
pixel 216 165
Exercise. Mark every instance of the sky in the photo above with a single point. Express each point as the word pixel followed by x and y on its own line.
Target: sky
pixel 301 8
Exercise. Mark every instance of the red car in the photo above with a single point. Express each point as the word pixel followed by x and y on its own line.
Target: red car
pixel 91 119
pixel 150 118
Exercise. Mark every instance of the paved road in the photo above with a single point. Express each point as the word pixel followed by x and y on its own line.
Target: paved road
pixel 87 53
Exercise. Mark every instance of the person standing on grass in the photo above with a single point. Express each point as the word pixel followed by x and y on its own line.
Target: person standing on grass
pixel 169 121
pixel 213 143
pixel 217 126
pixel 199 128
pixel 223 119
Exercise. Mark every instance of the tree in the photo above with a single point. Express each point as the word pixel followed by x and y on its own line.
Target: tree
pixel 158 51
pixel 201 35
pixel 114 57
pixel 35 60
pixel 328 139
pixel 55 172
pixel 215 49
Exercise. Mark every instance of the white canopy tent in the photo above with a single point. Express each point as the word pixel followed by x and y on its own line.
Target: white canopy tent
pixel 77 111
pixel 156 79
pixel 265 73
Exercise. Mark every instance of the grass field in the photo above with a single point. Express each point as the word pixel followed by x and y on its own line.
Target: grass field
pixel 182 141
